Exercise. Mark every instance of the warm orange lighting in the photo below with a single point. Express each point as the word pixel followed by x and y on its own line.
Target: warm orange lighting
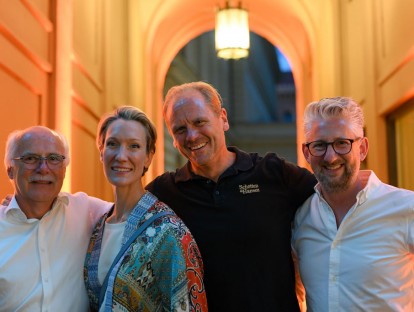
pixel 63 73
pixel 232 33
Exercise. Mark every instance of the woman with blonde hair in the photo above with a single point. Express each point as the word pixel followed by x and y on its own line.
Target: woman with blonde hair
pixel 141 256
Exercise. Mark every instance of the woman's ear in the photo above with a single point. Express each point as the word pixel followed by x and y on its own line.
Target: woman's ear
pixel 148 160
pixel 101 154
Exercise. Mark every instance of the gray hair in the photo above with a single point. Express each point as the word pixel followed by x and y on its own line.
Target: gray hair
pixel 13 141
pixel 344 107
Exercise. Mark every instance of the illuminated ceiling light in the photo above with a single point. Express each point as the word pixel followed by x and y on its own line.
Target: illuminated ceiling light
pixel 232 32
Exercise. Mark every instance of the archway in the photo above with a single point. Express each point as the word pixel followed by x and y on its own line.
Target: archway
pixel 286 25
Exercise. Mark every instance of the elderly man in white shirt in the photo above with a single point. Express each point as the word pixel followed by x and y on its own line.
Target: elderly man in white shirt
pixel 354 238
pixel 44 233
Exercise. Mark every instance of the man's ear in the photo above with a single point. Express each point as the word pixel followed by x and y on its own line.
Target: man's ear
pixel 363 148
pixel 10 173
pixel 305 152
pixel 226 125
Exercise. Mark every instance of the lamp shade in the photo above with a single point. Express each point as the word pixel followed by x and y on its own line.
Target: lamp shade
pixel 232 33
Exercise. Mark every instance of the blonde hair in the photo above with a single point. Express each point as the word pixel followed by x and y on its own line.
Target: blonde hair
pixel 210 94
pixel 128 113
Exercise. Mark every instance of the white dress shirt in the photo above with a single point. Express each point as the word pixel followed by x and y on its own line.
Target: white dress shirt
pixel 367 264
pixel 41 261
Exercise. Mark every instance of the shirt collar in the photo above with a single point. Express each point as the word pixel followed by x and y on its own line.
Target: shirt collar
pixel 369 178
pixel 371 184
pixel 243 163
pixel 14 211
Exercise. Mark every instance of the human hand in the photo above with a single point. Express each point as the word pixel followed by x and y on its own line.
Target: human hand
pixel 6 201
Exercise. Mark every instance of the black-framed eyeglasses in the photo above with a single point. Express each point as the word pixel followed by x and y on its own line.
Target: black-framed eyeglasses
pixel 340 146
pixel 32 161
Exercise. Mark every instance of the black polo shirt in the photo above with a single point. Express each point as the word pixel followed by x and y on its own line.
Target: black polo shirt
pixel 242 225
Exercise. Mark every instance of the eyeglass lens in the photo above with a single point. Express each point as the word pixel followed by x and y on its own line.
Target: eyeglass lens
pixel 341 147
pixel 33 161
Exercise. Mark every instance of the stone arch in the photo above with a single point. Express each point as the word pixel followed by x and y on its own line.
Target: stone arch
pixel 286 25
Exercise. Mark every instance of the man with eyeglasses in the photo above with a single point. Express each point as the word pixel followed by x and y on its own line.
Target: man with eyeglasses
pixel 44 233
pixel 354 238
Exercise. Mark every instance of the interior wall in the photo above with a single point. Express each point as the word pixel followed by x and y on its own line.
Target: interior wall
pixel 110 53
pixel 378 66
pixel 100 83
pixel 63 64
pixel 404 130
pixel 358 33
pixel 26 65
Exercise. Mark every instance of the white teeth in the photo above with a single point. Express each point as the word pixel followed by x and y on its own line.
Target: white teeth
pixel 121 169
pixel 333 167
pixel 43 180
pixel 193 148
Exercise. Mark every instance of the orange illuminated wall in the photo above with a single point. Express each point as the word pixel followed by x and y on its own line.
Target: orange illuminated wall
pixel 26 65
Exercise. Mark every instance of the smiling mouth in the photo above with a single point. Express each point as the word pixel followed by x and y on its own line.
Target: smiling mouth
pixel 121 169
pixel 333 167
pixel 41 182
pixel 197 147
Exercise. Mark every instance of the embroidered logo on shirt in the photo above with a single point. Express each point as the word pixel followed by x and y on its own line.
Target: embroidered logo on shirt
pixel 249 188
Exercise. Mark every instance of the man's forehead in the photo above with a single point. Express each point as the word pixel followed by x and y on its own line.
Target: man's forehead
pixel 40 141
pixel 334 121
pixel 189 96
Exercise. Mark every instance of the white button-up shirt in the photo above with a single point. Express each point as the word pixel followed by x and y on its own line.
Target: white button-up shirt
pixel 367 264
pixel 41 261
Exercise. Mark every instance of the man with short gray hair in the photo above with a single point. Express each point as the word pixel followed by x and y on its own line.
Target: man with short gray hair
pixel 44 233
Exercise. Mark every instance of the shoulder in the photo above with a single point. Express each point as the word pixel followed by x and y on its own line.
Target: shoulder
pixel 275 165
pixel 271 160
pixel 83 200
pixel 163 186
pixel 165 212
pixel 378 189
pixel 163 179
pixel 168 218
pixel 274 160
pixel 83 197
pixel 398 196
pixel 248 161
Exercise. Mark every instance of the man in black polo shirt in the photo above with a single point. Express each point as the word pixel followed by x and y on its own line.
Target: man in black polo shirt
pixel 238 206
